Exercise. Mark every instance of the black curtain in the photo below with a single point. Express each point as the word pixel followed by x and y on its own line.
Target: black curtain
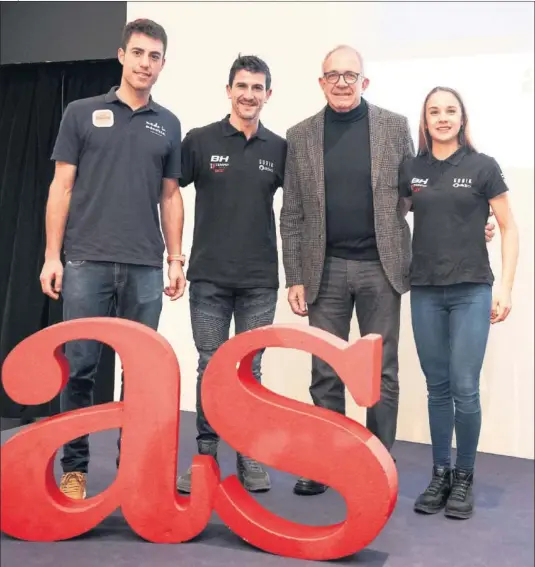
pixel 32 100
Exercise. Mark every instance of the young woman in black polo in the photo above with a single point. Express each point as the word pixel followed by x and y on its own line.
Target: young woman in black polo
pixel 450 187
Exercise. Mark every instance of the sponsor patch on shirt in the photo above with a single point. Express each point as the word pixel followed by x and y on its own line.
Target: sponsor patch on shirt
pixel 103 118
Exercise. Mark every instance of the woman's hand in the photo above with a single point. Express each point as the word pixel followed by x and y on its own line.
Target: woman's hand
pixel 501 306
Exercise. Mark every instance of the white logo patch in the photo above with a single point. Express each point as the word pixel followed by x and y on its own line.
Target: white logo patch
pixel 418 184
pixel 218 164
pixel 103 118
pixel 155 128
pixel 264 165
pixel 462 182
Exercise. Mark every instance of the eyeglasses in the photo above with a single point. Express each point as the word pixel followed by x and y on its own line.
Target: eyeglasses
pixel 333 77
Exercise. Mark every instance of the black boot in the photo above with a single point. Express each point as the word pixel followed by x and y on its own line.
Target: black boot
pixel 434 497
pixel 306 487
pixel 252 474
pixel 206 447
pixel 461 501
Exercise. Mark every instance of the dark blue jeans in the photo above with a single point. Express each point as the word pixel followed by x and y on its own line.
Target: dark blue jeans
pixel 451 327
pixel 212 308
pixel 93 289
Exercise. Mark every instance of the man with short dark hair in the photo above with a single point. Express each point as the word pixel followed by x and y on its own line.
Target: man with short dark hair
pixel 236 165
pixel 117 158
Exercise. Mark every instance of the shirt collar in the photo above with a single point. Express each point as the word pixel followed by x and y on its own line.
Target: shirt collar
pixel 229 130
pixel 454 159
pixel 111 96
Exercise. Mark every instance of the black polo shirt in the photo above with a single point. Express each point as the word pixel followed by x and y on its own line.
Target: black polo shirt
pixel 234 238
pixel 450 200
pixel 121 158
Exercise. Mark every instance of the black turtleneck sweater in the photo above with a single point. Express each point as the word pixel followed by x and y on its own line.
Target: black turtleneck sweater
pixel 348 185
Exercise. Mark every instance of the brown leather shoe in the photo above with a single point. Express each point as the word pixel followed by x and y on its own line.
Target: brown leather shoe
pixel 73 485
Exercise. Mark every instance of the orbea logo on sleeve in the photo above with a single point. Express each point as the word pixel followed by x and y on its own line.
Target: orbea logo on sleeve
pixel 103 118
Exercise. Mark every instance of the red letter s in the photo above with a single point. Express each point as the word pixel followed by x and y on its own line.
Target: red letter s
pixel 302 440
pixel 31 505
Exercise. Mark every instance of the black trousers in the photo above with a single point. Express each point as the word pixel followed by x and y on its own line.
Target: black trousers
pixel 212 308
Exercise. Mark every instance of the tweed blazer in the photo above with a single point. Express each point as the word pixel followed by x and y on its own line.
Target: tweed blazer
pixel 302 220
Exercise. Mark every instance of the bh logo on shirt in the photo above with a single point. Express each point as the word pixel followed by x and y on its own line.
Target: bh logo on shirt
pixel 264 165
pixel 418 184
pixel 218 164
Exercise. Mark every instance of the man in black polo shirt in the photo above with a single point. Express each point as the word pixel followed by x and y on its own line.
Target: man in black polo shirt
pixel 117 158
pixel 236 165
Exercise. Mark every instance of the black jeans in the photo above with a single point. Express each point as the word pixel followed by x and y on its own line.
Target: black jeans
pixel 363 286
pixel 451 328
pixel 91 289
pixel 212 308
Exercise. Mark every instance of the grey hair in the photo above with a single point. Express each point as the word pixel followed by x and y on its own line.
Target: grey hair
pixel 348 48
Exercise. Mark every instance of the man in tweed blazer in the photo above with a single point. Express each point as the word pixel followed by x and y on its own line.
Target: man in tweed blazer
pixel 346 243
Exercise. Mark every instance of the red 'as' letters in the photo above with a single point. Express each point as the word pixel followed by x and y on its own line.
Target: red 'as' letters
pixel 291 436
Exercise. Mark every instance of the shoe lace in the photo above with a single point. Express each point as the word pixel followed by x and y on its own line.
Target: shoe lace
pixel 459 489
pixel 72 481
pixel 435 485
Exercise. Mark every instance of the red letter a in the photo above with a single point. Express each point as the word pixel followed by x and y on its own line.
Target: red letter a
pixel 302 440
pixel 33 508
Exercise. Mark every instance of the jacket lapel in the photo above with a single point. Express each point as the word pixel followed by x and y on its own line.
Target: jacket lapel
pixel 377 142
pixel 315 151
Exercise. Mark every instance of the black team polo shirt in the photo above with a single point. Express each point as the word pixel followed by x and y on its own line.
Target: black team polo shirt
pixel 450 200
pixel 349 210
pixel 235 179
pixel 121 158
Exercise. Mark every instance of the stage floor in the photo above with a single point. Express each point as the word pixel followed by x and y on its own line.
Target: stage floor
pixel 501 533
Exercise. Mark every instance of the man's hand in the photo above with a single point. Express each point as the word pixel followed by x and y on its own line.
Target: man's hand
pixel 489 229
pixel 296 299
pixel 51 278
pixel 177 281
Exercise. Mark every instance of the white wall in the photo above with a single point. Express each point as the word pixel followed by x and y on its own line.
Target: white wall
pixel 405 56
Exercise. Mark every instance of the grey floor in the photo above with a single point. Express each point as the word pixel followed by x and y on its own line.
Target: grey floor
pixel 499 535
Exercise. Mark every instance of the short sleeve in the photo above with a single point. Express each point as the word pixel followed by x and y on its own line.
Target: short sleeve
pixel 404 185
pixel 188 171
pixel 282 167
pixel 68 142
pixel 495 183
pixel 173 162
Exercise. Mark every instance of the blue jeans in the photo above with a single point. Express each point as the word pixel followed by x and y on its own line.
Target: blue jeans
pixel 94 289
pixel 451 327
pixel 211 309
